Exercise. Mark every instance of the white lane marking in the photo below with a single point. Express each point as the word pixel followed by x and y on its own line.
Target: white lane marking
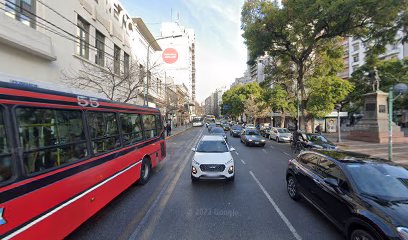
pixel 264 150
pixel 287 154
pixel 243 162
pixel 161 200
pixel 70 201
pixel 283 217
pixel 236 153
pixel 272 147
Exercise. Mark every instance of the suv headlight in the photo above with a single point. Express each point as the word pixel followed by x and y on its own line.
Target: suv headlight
pixel 250 140
pixel 403 232
pixel 195 162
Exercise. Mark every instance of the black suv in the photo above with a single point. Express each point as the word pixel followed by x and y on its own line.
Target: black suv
pixel 366 198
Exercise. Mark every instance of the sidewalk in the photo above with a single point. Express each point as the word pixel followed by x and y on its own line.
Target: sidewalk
pixel 400 150
pixel 178 130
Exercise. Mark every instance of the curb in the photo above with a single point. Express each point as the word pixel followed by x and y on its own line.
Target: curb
pixel 168 137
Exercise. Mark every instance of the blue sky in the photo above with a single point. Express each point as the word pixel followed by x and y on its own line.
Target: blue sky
pixel 220 54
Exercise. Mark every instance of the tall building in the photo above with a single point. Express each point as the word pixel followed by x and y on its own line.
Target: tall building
pixel 48 41
pixel 242 80
pixel 345 73
pixel 208 105
pixel 357 52
pixel 183 70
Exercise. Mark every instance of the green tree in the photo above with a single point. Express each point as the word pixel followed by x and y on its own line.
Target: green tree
pixel 300 28
pixel 235 98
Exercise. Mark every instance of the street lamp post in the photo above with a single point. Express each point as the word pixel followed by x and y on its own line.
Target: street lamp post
pixel 400 89
pixel 338 108
pixel 146 89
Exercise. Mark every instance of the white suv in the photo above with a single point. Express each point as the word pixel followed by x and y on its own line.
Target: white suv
pixel 212 159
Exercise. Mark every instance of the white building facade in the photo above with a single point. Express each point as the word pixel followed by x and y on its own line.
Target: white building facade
pixel 183 70
pixel 357 52
pixel 51 39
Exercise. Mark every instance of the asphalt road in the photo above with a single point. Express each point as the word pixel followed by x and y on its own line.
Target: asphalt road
pixel 255 206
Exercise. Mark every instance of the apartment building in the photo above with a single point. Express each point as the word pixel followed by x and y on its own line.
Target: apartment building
pixel 53 41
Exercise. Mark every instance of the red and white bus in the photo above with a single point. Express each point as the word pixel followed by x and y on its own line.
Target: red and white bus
pixel 65 156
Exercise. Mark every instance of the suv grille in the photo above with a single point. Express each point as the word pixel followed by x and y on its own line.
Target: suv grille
pixel 212 167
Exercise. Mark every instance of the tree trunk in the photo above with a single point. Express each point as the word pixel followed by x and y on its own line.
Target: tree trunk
pixel 309 124
pixel 282 119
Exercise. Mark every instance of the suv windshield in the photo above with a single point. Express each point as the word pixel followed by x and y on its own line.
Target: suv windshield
pixel 317 138
pixel 283 130
pixel 212 146
pixel 380 180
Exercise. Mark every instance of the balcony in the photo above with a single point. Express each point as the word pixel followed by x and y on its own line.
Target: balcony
pixel 20 36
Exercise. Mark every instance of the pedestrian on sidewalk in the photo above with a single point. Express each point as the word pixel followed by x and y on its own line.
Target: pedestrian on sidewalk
pixel 168 129
pixel 318 130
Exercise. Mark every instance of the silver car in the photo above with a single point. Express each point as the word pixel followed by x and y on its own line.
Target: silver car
pixel 280 134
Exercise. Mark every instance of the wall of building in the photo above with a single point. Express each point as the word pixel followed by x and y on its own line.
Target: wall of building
pixel 39 54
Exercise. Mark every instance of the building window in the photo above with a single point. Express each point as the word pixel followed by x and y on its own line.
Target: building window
pixel 356 58
pixel 116 60
pixel 356 47
pixel 126 62
pixel 21 10
pixel 83 37
pixel 100 49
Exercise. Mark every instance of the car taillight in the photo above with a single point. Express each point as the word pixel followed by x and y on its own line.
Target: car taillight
pixel 290 161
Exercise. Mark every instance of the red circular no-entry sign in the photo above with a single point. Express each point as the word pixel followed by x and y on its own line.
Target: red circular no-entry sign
pixel 170 55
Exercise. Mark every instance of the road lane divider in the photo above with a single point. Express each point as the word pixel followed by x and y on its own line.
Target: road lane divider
pixel 277 209
pixel 263 149
pixel 287 154
pixel 149 222
pixel 243 162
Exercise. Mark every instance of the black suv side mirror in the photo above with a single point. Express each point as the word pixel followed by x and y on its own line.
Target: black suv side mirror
pixel 332 182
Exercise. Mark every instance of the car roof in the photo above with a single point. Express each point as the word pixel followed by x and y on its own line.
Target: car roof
pixel 349 156
pixel 212 138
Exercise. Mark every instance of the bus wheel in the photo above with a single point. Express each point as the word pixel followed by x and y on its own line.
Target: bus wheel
pixel 145 171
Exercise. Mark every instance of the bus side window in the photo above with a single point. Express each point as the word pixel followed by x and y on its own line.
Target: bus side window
pixel 104 131
pixel 50 137
pixel 131 128
pixel 5 155
pixel 159 125
pixel 149 124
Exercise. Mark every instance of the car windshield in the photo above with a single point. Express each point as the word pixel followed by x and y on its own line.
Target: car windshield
pixel 212 146
pixel 252 133
pixel 380 180
pixel 236 128
pixel 217 130
pixel 283 130
pixel 317 138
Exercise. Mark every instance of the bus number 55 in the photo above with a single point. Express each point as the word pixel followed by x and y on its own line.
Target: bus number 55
pixel 87 101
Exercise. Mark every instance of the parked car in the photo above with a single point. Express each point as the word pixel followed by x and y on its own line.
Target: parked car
pixel 236 130
pixel 218 123
pixel 366 198
pixel 280 134
pixel 251 137
pixel 318 141
pixel 265 131
pixel 218 131
pixel 212 160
